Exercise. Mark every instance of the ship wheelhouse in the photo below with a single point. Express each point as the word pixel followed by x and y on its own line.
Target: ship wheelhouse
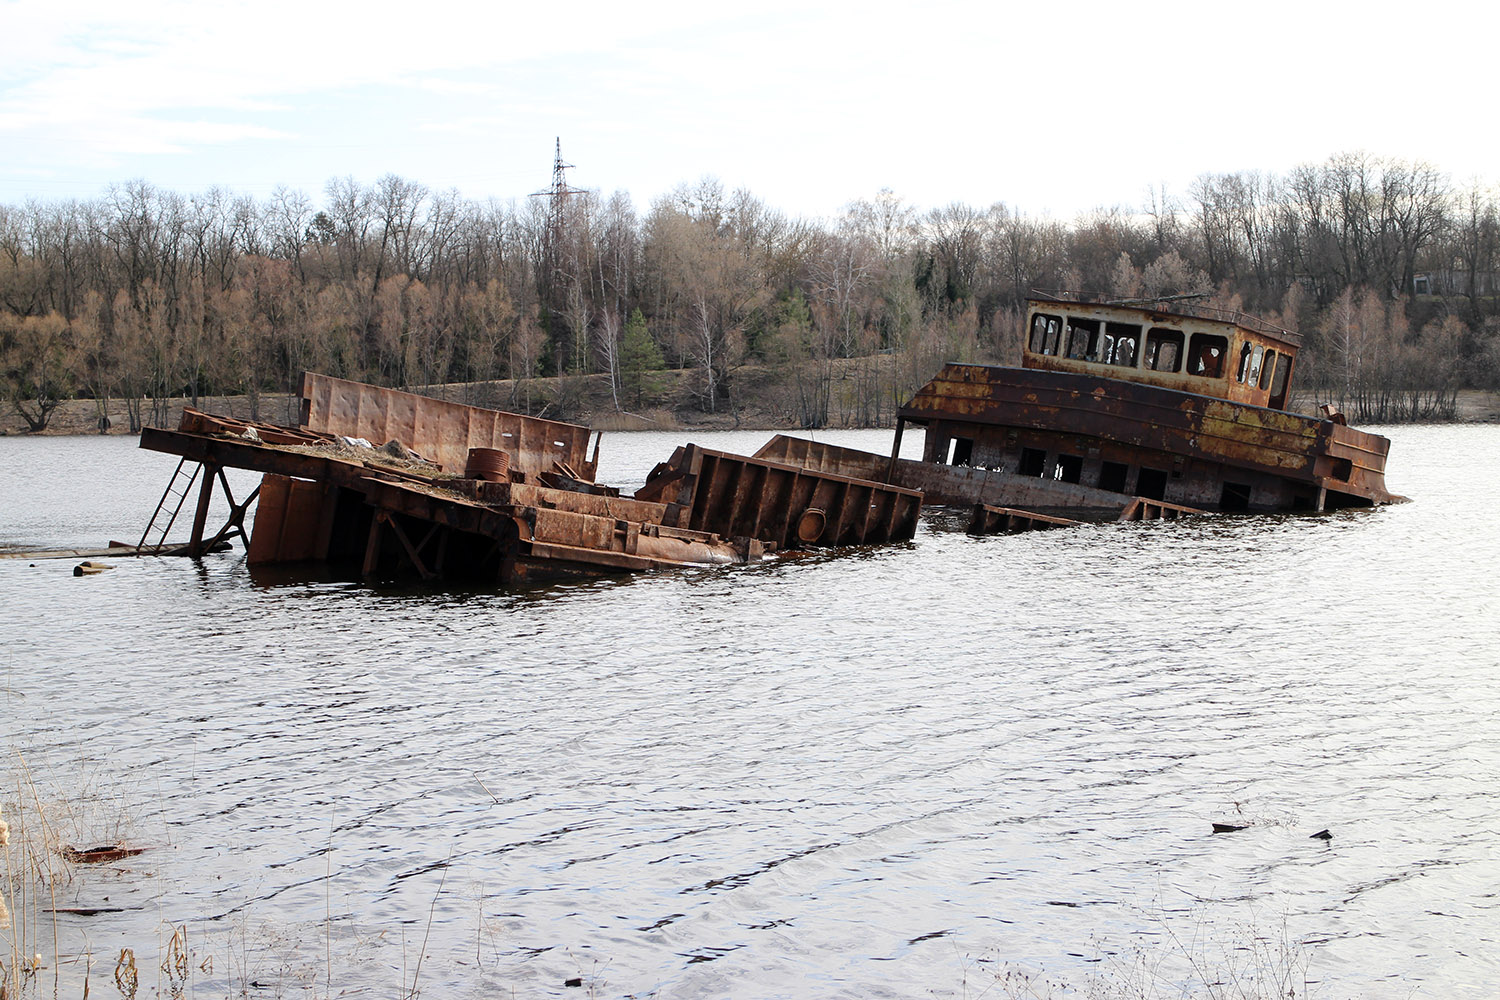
pixel 1131 400
pixel 1227 356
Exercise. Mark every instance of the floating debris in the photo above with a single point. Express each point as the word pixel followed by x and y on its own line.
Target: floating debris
pixel 97 855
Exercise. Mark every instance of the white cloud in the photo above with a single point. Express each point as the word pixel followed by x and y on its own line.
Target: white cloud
pixel 813 102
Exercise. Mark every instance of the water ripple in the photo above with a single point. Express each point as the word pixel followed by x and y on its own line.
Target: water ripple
pixel 836 775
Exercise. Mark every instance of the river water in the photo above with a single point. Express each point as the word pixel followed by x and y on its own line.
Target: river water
pixel 892 772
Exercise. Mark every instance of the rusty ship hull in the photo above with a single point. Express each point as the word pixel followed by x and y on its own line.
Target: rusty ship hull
pixel 1132 439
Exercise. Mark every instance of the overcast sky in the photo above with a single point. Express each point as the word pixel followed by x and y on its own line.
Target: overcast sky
pixel 1050 107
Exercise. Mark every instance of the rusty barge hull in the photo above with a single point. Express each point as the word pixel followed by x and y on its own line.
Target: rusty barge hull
pixel 783 505
pixel 951 484
pixel 1132 439
pixel 442 432
pixel 465 493
pixel 384 523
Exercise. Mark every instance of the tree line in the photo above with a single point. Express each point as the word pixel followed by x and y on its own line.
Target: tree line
pixel 143 296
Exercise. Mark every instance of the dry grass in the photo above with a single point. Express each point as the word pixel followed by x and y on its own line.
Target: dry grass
pixel 49 831
pixel 372 456
pixel 1196 957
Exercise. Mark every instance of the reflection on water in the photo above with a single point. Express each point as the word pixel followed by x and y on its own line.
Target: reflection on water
pixel 835 775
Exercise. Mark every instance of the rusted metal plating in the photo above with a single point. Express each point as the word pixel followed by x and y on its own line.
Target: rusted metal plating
pixel 525 506
pixel 781 505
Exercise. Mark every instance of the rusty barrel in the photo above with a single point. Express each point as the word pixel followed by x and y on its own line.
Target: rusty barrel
pixel 811 524
pixel 489 464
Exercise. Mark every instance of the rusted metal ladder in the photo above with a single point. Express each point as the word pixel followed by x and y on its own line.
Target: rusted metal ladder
pixel 234 525
pixel 171 491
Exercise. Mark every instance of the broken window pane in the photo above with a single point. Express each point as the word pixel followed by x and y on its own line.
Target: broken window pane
pixel 1206 355
pixel 1163 349
pixel 1125 337
pixel 1046 332
pixel 1082 334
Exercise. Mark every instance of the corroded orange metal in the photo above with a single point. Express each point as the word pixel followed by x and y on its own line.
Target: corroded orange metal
pixel 782 505
pixel 440 431
pixel 360 508
pixel 489 464
pixel 1072 412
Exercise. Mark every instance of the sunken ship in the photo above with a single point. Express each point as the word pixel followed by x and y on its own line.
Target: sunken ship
pixel 1116 406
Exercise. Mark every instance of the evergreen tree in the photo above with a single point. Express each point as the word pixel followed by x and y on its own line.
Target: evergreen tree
pixel 639 358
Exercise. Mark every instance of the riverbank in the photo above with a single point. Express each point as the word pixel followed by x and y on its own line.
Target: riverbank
pixel 864 393
pixel 763 402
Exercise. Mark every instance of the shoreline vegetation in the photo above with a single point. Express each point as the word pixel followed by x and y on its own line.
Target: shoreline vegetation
pixel 588 404
pixel 714 306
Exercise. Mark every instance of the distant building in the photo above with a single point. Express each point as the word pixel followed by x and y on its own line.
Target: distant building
pixel 1454 282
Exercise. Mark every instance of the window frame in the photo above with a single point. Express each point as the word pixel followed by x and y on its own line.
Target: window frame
pixel 1198 346
pixel 1156 338
pixel 1047 329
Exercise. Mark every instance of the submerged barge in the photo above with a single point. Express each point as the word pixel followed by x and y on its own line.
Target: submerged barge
pixel 1116 403
pixel 458 492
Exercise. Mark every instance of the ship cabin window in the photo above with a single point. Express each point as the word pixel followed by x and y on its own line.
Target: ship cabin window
pixel 1046 334
pixel 1082 337
pixel 1033 462
pixel 1112 476
pixel 1206 353
pixel 1151 484
pixel 1119 345
pixel 1069 469
pixel 1251 356
pixel 1256 357
pixel 1265 370
pixel 960 451
pixel 1279 380
pixel 1164 349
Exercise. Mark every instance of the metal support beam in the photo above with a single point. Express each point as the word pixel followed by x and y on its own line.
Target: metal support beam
pixel 200 516
pixel 890 470
pixel 412 552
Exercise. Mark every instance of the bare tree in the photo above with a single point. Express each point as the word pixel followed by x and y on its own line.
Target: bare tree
pixel 607 343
